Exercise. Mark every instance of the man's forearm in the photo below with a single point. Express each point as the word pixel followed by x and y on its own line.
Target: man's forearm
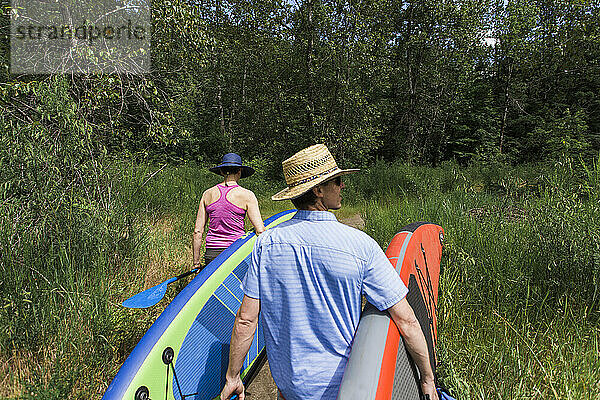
pixel 417 347
pixel 241 340
pixel 404 318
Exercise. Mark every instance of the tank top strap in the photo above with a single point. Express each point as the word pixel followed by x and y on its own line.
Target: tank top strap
pixel 224 190
pixel 223 197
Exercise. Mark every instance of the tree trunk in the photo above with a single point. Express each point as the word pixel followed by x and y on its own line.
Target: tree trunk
pixel 220 105
pixel 218 76
pixel 505 107
pixel 310 106
pixel 412 90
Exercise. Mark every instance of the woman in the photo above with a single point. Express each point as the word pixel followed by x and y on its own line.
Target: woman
pixel 225 205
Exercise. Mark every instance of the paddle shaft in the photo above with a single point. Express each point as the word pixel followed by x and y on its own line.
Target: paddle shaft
pixel 193 271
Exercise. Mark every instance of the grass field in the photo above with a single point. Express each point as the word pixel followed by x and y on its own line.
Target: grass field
pixel 520 288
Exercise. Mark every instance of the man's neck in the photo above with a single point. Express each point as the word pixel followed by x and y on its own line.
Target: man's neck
pixel 318 206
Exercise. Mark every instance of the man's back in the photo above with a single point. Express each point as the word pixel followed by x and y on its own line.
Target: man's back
pixel 306 279
pixel 309 274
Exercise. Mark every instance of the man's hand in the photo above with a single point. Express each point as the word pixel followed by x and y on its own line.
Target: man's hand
pixel 428 389
pixel 232 387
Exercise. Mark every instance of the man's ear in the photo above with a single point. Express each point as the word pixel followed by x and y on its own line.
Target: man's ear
pixel 318 191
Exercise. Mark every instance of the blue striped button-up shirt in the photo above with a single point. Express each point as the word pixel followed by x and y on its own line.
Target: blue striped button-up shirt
pixel 309 274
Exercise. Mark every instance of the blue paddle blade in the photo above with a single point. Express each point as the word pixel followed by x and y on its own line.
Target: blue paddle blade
pixel 444 395
pixel 148 297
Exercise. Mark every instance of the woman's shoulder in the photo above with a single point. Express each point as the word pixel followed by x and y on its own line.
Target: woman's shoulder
pixel 211 194
pixel 244 192
pixel 212 189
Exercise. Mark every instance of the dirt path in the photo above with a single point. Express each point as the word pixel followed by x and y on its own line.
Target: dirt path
pixel 354 221
pixel 263 387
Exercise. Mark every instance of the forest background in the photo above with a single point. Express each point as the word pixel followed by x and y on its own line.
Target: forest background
pixel 490 106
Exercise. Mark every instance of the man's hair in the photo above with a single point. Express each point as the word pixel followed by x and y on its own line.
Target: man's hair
pixel 305 200
pixel 229 170
pixel 309 198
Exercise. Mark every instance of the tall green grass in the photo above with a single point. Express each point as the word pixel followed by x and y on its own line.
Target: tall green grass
pixel 71 254
pixel 519 293
pixel 519 303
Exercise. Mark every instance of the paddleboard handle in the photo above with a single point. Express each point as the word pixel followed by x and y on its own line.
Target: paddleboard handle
pixel 142 393
pixel 167 355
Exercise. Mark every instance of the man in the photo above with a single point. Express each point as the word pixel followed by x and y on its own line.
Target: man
pixel 307 277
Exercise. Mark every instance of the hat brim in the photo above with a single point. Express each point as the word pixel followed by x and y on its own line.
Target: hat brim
pixel 246 171
pixel 297 191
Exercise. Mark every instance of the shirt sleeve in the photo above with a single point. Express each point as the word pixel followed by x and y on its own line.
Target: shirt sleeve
pixel 382 285
pixel 250 283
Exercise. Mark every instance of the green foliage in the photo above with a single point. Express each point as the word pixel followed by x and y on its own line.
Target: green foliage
pixel 416 81
pixel 521 261
pixel 65 228
pixel 565 136
pixel 489 85
pixel 519 296
pixel 591 183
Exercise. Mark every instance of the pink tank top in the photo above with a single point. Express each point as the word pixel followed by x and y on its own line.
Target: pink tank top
pixel 226 220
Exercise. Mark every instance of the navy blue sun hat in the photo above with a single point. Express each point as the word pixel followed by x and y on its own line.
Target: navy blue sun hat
pixel 232 160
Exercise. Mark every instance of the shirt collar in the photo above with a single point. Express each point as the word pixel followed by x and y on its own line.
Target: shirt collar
pixel 315 215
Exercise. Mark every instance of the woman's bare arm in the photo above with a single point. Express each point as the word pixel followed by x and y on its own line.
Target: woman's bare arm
pixel 254 214
pixel 199 230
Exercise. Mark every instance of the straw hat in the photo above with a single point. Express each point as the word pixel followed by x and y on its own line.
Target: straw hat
pixel 306 169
